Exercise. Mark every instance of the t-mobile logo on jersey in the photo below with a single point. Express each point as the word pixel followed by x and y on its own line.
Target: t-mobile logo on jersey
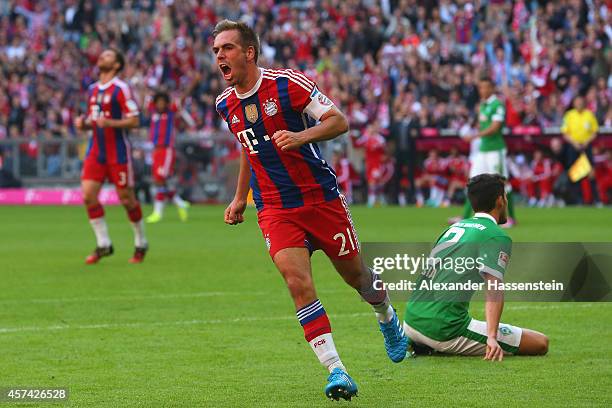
pixel 248 139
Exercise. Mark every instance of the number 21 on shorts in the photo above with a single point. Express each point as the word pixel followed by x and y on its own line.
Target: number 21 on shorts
pixel 342 237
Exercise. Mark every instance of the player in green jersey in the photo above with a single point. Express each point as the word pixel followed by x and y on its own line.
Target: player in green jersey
pixel 491 155
pixel 439 319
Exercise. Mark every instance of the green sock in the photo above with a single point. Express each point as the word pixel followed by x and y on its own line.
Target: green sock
pixel 467 209
pixel 511 204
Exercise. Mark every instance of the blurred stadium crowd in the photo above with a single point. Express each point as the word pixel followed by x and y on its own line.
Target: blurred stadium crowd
pixel 400 69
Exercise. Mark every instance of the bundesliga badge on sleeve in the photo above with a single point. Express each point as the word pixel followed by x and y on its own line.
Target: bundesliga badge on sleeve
pixel 324 100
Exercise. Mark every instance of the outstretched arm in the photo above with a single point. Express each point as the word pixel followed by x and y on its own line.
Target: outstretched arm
pixel 493 309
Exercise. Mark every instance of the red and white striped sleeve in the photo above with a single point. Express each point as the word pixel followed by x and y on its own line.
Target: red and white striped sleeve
pixel 306 97
pixel 129 107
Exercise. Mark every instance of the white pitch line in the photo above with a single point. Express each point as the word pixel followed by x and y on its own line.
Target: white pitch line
pixel 127 297
pixel 8 330
pixel 147 297
pixel 550 306
pixel 158 324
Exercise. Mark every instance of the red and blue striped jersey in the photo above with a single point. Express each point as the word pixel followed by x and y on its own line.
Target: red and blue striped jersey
pixel 114 101
pixel 280 100
pixel 162 127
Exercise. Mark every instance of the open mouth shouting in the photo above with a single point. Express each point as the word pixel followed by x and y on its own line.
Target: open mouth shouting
pixel 226 70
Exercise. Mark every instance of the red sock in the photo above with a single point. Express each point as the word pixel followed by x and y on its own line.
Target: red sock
pixel 317 332
pixel 135 214
pixel 317 327
pixel 95 211
pixel 170 194
pixel 314 320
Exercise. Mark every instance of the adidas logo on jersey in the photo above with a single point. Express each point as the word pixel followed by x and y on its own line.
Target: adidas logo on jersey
pixel 235 120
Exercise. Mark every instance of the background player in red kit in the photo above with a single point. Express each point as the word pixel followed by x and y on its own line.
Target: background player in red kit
pixel 541 181
pixel 374 145
pixel 602 161
pixel 111 111
pixel 458 168
pixel 273 113
pixel 434 177
pixel 162 132
pixel 345 174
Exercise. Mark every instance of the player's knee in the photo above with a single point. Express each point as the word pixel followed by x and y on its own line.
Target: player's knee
pixel 296 283
pixel 542 345
pixel 128 202
pixel 299 286
pixel 90 199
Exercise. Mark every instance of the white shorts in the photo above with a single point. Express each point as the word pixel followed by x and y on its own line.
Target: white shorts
pixel 473 341
pixel 493 162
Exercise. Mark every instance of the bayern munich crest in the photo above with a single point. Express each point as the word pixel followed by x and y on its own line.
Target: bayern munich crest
pixel 270 107
pixel 268 242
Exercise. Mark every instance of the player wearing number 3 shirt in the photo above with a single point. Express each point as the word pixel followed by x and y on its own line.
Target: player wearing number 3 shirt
pixel 279 116
pixel 111 112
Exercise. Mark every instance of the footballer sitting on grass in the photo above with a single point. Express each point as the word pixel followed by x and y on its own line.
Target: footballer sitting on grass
pixel 441 321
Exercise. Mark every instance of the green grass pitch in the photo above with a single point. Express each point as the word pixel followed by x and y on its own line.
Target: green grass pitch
pixel 207 321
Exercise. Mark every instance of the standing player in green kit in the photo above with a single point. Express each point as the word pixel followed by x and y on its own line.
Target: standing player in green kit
pixel 491 157
pixel 439 319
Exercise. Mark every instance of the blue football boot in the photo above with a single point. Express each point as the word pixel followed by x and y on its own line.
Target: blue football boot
pixel 396 341
pixel 340 385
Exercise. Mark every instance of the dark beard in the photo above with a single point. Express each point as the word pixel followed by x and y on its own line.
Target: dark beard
pixel 503 218
pixel 104 69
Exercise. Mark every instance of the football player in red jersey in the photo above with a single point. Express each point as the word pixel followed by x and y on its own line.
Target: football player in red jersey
pixel 279 116
pixel 346 174
pixel 163 136
pixel 434 177
pixel 458 169
pixel 374 145
pixel 541 181
pixel 602 161
pixel 111 113
pixel 162 129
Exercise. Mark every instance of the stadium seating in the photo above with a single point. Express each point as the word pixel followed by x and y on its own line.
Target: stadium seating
pixel 373 59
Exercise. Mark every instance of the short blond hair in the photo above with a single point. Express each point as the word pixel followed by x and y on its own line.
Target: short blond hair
pixel 248 36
